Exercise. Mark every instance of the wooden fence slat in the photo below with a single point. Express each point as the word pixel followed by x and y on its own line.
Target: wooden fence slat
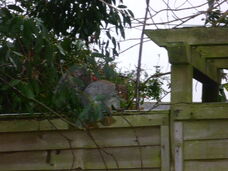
pixel 206 165
pixel 206 149
pixel 165 160
pixel 86 159
pixel 178 140
pixel 200 111
pixel 32 125
pixel 45 140
pixel 21 125
pixel 137 120
pixel 137 169
pixel 205 129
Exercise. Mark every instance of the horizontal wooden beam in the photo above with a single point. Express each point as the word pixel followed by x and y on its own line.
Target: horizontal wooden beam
pixel 210 70
pixel 219 63
pixel 127 119
pixel 200 111
pixel 220 165
pixel 205 129
pixel 213 51
pixel 180 53
pixel 112 138
pixel 72 159
pixel 191 36
pixel 207 149
pixel 193 46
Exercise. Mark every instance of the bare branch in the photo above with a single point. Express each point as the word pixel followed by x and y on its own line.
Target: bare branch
pixel 137 92
pixel 133 46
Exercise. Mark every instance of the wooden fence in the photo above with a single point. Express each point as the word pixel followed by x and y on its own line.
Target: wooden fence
pixel 136 140
pixel 200 137
pixel 186 138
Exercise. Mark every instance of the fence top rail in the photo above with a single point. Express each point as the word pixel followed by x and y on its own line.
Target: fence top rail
pixel 199 111
pixel 18 116
pixel 28 123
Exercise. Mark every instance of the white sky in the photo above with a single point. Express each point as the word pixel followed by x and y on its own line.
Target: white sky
pixel 152 54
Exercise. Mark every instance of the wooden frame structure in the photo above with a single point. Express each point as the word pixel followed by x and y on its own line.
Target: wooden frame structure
pixel 199 53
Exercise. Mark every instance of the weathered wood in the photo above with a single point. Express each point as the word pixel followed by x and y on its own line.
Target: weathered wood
pixel 86 159
pixel 207 165
pixel 178 53
pixel 213 51
pixel 165 154
pixel 172 142
pixel 206 149
pixel 205 130
pixel 138 120
pixel 198 131
pixel 208 70
pixel 219 63
pixel 47 140
pixel 193 46
pixel 138 169
pixel 200 111
pixel 178 138
pixel 19 125
pixel 181 83
pixel 143 120
pixel 191 36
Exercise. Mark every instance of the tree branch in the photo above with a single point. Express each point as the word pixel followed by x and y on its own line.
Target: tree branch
pixel 137 92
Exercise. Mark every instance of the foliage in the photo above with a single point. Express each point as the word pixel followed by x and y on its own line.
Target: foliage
pixel 81 19
pixel 217 18
pixel 151 86
pixel 36 50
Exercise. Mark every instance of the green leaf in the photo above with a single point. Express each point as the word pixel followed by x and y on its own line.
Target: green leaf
pixel 28 31
pixel 98 55
pixel 14 82
pixel 27 91
pixel 61 50
pixel 18 53
pixel 108 34
pixel 107 43
pixel 131 13
pixel 122 6
pixel 122 31
pixel 225 86
pixel 4 87
pixel 4 12
pixel 15 8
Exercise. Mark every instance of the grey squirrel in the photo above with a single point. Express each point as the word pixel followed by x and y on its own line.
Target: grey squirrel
pixel 103 91
pixel 94 95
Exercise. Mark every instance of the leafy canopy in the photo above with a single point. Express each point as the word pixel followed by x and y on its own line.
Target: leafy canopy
pixel 82 19
pixel 40 40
